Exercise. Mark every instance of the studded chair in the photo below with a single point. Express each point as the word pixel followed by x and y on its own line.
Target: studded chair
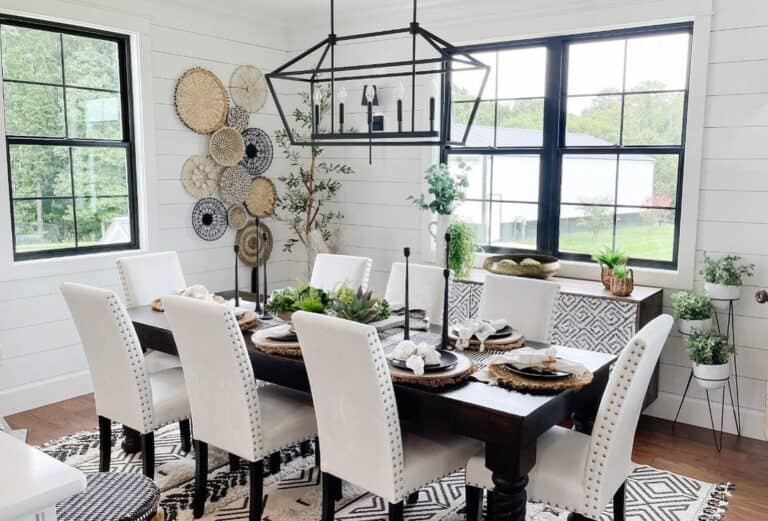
pixel 331 271
pixel 579 472
pixel 426 288
pixel 125 391
pixel 526 303
pixel 228 410
pixel 357 419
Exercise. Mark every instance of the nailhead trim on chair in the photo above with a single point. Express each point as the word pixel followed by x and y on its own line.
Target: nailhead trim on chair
pixel 124 283
pixel 367 274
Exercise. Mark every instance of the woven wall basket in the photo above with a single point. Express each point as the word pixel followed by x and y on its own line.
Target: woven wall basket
pixel 235 185
pixel 200 176
pixel 201 100
pixel 248 88
pixel 209 219
pixel 248 238
pixel 238 118
pixel 227 146
pixel 258 151
pixel 237 217
pixel 261 199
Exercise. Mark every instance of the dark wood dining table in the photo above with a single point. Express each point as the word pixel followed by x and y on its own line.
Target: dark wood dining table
pixel 508 422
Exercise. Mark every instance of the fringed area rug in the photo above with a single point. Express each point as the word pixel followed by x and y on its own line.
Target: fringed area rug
pixel 294 493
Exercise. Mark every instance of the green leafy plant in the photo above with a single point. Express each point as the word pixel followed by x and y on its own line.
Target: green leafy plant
pixel 709 348
pixel 359 306
pixel 282 301
pixel 728 270
pixel 610 257
pixel 621 271
pixel 304 298
pixel 461 253
pixel 445 188
pixel 690 305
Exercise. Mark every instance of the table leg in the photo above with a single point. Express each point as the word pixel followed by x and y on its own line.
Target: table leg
pixel 510 464
pixel 587 403
pixel 509 498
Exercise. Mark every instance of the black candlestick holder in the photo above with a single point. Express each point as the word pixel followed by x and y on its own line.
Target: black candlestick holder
pixel 255 274
pixel 407 308
pixel 237 281
pixel 265 315
pixel 444 344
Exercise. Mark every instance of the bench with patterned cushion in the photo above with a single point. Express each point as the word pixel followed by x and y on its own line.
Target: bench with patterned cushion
pixel 113 496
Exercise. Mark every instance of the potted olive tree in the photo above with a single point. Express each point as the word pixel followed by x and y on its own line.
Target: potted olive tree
pixel 693 311
pixel 723 278
pixel 609 258
pixel 711 354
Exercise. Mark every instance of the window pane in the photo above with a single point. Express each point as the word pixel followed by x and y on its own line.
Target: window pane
pixel 514 225
pixel 479 174
pixel 520 123
pixel 516 178
pixel 657 62
pixel 596 67
pixel 33 110
pixel 93 114
pixel 103 221
pixel 99 171
pixel 647 180
pixel 593 121
pixel 646 234
pixel 40 171
pixel 653 119
pixel 89 62
pixel 481 133
pixel 476 214
pixel 585 229
pixel 522 73
pixel 43 224
pixel 466 84
pixel 31 54
pixel 588 178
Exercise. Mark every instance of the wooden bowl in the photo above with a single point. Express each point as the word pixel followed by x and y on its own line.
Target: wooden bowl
pixel 547 267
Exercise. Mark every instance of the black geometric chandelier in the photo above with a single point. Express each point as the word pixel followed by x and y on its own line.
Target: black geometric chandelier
pixel 328 83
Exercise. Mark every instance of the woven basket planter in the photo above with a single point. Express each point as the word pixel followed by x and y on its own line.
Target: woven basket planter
pixel 623 287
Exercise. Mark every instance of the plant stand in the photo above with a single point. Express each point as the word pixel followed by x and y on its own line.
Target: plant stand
pixel 730 335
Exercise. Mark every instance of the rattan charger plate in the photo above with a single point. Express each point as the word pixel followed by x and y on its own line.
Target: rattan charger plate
pixel 508 343
pixel 509 380
pixel 201 100
pixel 272 347
pixel 261 198
pixel 157 304
pixel 435 380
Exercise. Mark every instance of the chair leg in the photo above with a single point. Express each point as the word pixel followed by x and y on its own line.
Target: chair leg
pixel 185 433
pixel 396 511
pixel 317 452
pixel 412 498
pixel 148 454
pixel 474 503
pixel 329 484
pixel 105 443
pixel 201 478
pixel 234 463
pixel 257 491
pixel 275 460
pixel 305 447
pixel 618 503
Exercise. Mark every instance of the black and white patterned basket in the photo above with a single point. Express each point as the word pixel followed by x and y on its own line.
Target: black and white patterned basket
pixel 112 496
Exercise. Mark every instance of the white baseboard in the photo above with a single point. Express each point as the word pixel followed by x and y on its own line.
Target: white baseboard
pixel 45 392
pixel 695 412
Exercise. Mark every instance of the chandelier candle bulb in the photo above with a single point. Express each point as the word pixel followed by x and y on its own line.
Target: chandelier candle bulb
pixel 407 306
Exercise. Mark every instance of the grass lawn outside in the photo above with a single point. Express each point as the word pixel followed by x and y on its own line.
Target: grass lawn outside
pixel 649 241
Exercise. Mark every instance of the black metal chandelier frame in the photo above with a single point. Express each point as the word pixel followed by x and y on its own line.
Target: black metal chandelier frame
pixel 443 65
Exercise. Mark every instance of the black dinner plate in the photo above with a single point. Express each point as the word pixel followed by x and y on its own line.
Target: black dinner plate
pixel 290 336
pixel 501 333
pixel 448 361
pixel 533 373
pixel 414 312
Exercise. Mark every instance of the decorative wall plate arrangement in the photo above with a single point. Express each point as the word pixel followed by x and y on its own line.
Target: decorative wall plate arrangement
pixel 248 237
pixel 227 146
pixel 209 218
pixel 238 118
pixel 261 199
pixel 235 185
pixel 201 100
pixel 200 176
pixel 237 216
pixel 258 151
pixel 248 88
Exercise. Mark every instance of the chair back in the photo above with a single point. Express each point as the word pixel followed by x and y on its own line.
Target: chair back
pixel 613 435
pixel 526 303
pixel 355 405
pixel 217 370
pixel 426 288
pixel 332 271
pixel 121 384
pixel 147 277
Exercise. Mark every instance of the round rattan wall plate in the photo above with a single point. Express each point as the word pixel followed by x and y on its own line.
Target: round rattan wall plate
pixel 201 100
pixel 238 118
pixel 248 88
pixel 235 185
pixel 237 216
pixel 227 146
pixel 200 176
pixel 209 219
pixel 261 199
pixel 258 151
pixel 248 238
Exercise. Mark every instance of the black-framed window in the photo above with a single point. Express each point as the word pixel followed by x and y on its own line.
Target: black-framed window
pixel 578 143
pixel 69 139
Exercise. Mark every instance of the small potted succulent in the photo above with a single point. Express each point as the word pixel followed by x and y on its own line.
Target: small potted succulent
pixel 693 311
pixel 711 354
pixel 285 302
pixel 622 280
pixel 723 278
pixel 609 258
pixel 358 306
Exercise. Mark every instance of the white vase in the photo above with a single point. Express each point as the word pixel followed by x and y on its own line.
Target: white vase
pixel 687 327
pixel 712 377
pixel 437 230
pixel 722 294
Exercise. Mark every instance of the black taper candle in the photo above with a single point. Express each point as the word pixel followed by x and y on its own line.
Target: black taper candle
pixel 317 118
pixel 266 315
pixel 257 309
pixel 431 113
pixel 399 115
pixel 446 275
pixel 237 282
pixel 341 118
pixel 407 309
pixel 370 137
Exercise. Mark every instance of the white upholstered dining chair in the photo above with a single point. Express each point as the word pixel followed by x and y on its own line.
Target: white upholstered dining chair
pixel 330 271
pixel 426 288
pixel 525 303
pixel 580 472
pixel 125 391
pixel 228 410
pixel 357 418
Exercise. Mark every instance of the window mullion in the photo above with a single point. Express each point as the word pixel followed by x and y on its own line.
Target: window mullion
pixel 549 172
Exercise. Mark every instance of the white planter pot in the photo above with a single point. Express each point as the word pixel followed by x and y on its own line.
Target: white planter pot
pixel 687 327
pixel 721 294
pixel 437 230
pixel 712 376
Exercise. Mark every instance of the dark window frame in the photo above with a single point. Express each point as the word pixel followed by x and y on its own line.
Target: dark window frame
pixel 127 142
pixel 553 138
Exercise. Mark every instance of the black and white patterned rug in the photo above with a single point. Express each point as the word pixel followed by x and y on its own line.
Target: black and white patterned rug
pixel 294 493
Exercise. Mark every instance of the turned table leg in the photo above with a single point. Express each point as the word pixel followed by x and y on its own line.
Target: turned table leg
pixel 509 498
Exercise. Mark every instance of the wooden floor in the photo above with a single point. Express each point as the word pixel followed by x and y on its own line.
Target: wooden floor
pixel 683 449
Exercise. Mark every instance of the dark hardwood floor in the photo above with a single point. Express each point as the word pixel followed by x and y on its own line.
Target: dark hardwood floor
pixel 683 449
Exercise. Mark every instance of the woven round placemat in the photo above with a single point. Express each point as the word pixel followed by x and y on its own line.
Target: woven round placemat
pixel 248 238
pixel 227 146
pixel 492 344
pixel 261 199
pixel 200 176
pixel 157 304
pixel 435 380
pixel 248 87
pixel 201 100
pixel 262 343
pixel 506 378
pixel 235 185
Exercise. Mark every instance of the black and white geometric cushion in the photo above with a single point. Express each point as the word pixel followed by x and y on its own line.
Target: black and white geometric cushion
pixel 112 496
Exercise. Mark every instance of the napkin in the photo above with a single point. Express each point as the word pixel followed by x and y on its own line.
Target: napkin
pixel 245 305
pixel 544 359
pixel 498 324
pixel 415 356
pixel 197 291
